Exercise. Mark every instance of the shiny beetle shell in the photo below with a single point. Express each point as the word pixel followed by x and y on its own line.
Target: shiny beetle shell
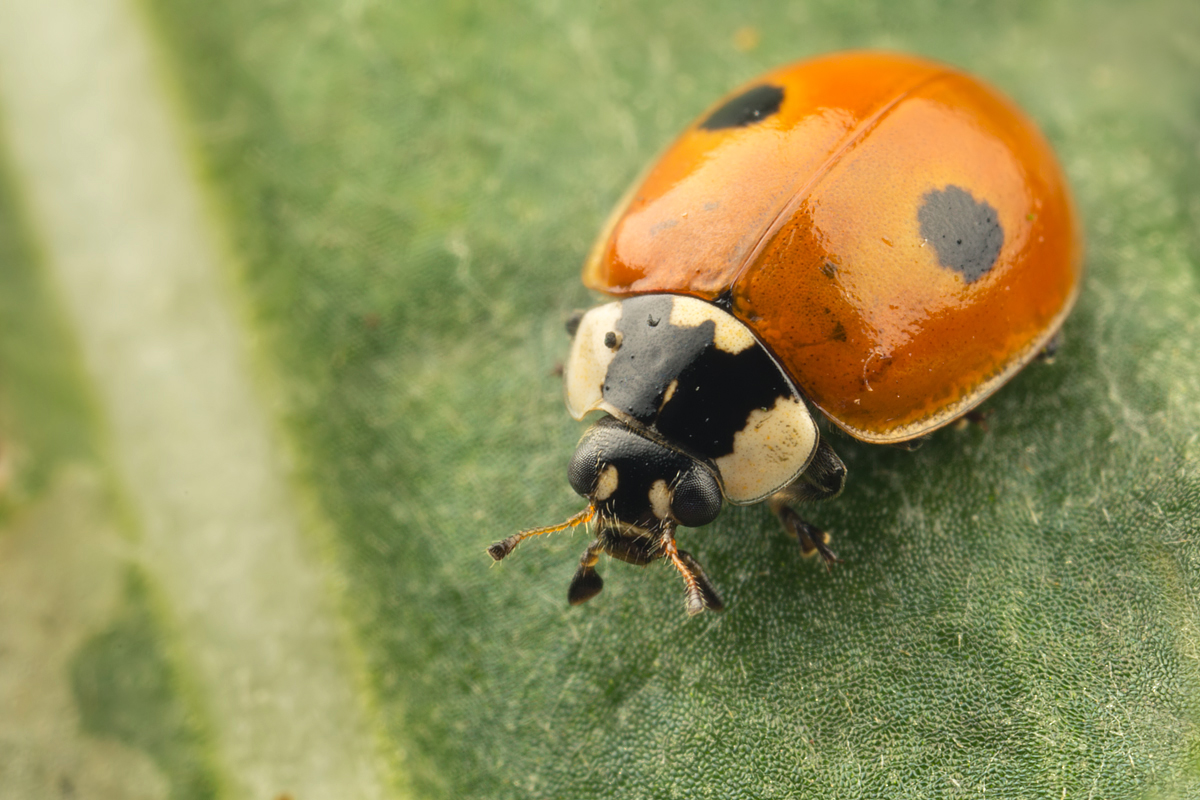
pixel 897 233
pixel 885 237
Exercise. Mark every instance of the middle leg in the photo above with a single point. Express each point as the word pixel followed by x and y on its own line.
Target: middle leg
pixel 824 479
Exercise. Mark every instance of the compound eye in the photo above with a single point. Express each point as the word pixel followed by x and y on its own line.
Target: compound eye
pixel 584 470
pixel 697 498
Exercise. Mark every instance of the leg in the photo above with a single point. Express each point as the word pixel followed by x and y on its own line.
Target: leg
pixel 975 416
pixel 823 479
pixel 587 583
pixel 711 600
pixel 812 539
pixel 911 444
pixel 700 591
pixel 1047 353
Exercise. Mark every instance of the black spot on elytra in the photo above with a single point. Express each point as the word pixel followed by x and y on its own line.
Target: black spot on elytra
pixel 965 232
pixel 747 108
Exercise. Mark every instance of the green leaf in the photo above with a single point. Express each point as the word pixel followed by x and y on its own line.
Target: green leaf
pixel 128 690
pixel 91 702
pixel 399 197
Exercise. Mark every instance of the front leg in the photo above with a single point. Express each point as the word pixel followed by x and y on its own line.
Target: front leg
pixel 587 583
pixel 700 592
pixel 823 480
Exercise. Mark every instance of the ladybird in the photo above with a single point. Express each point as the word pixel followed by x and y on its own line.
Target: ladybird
pixel 880 237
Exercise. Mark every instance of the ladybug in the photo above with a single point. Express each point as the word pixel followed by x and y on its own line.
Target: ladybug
pixel 878 236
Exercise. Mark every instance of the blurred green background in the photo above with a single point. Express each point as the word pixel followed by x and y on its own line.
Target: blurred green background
pixel 282 287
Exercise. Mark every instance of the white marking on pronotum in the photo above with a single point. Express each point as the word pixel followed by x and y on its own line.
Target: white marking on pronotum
pixel 770 452
pixel 587 364
pixel 730 335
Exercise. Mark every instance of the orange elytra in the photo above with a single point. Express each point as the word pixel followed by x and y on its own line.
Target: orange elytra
pixel 826 222
pixel 883 236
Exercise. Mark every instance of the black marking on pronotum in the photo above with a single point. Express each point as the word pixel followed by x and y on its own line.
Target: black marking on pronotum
pixel 715 391
pixel 651 356
pixel 965 232
pixel 716 395
pixel 749 107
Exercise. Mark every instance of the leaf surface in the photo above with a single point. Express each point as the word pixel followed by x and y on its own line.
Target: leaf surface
pixel 407 191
